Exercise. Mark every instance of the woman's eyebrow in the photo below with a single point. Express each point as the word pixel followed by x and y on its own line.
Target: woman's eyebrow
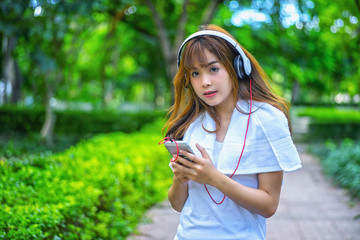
pixel 211 63
pixel 204 65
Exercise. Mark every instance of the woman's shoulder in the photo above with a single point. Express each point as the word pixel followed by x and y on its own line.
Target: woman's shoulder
pixel 268 115
pixel 266 109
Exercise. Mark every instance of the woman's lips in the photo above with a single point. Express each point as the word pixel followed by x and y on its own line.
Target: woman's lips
pixel 210 94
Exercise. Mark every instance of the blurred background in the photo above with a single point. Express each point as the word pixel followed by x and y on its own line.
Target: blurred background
pixel 120 55
pixel 76 71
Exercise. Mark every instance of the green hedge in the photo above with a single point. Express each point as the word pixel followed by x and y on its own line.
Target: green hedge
pixel 343 165
pixel 98 189
pixel 21 119
pixel 332 123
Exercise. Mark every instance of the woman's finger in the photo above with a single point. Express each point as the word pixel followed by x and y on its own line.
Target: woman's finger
pixel 202 150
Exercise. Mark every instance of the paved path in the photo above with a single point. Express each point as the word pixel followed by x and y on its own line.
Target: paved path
pixel 310 209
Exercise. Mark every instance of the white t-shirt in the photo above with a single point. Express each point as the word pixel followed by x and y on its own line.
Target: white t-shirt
pixel 202 219
pixel 268 148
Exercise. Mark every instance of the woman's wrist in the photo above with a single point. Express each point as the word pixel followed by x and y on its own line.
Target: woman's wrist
pixel 179 181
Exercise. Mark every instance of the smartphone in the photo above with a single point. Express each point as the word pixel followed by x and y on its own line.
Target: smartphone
pixel 171 147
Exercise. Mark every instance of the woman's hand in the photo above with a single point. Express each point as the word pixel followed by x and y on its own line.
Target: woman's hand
pixel 262 200
pixel 198 169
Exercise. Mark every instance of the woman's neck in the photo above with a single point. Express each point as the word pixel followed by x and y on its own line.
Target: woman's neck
pixel 224 114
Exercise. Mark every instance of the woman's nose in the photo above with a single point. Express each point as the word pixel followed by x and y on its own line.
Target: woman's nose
pixel 206 81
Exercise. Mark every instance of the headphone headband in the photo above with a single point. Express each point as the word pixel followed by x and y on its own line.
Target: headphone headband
pixel 247 65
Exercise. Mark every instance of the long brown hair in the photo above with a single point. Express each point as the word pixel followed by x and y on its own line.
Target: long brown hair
pixel 187 105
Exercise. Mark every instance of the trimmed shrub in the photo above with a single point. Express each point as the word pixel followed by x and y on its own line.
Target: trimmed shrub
pixel 332 123
pixel 20 119
pixel 27 120
pixel 98 189
pixel 343 165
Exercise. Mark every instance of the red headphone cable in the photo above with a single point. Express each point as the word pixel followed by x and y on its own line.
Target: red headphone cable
pixel 242 151
pixel 168 139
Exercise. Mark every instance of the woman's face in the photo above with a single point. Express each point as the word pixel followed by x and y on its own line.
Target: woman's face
pixel 211 82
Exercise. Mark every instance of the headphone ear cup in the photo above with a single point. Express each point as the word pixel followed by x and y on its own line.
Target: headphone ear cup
pixel 239 67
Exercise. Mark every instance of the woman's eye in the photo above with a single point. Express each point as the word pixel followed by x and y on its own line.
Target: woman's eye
pixel 214 69
pixel 194 74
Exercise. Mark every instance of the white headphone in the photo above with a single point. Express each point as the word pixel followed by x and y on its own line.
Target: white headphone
pixel 242 65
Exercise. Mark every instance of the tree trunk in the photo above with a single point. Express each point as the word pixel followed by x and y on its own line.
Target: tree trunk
pixel 11 71
pixel 110 43
pixel 17 84
pixel 8 44
pixel 210 11
pixel 47 130
pixel 357 3
pixel 295 92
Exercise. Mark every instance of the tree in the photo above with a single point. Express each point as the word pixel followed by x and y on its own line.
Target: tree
pixel 13 17
pixel 169 48
pixel 49 22
pixel 308 61
pixel 98 50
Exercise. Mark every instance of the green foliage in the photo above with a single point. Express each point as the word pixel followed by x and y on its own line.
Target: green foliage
pixel 343 165
pixel 74 122
pixel 312 60
pixel 87 50
pixel 17 145
pixel 332 123
pixel 331 115
pixel 98 189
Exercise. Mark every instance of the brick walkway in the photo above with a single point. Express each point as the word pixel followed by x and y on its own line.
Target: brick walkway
pixel 310 209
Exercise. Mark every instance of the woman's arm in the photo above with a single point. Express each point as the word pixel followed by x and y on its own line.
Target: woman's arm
pixel 178 191
pixel 263 200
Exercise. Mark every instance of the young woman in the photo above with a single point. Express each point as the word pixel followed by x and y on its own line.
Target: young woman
pixel 239 130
